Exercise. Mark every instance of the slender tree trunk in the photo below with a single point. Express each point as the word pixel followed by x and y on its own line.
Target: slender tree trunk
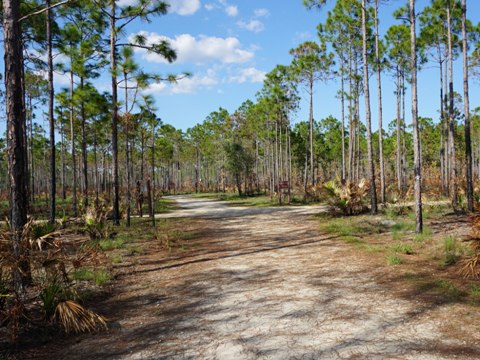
pixel 451 126
pixel 368 117
pixel 466 103
pixel 113 64
pixel 127 151
pixel 95 162
pixel 380 110
pixel 342 94
pixel 64 168
pixel 416 141
pixel 197 169
pixel 312 175
pixel 84 146
pixel 51 119
pixel 446 122
pixel 399 149
pixel 72 141
pixel 152 197
pixel 442 126
pixel 350 116
pixel 32 159
pixel 404 146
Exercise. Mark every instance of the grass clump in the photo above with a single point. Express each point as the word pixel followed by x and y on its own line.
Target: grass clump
pixel 394 260
pixel 353 240
pixel 98 276
pixel 135 250
pixel 402 248
pixel 116 259
pixel 425 235
pixel 474 293
pixel 450 248
pixel 111 244
pixel 346 227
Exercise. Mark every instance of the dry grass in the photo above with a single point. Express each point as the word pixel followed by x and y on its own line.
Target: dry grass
pixel 471 265
pixel 75 318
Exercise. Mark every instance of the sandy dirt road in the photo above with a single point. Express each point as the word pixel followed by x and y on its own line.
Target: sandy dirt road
pixel 264 283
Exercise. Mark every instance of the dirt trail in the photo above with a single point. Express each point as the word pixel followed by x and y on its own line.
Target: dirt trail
pixel 266 284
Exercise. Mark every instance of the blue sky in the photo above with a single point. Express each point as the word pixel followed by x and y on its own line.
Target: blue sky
pixel 229 45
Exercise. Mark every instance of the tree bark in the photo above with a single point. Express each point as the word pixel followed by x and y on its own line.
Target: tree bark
pixel 451 115
pixel 51 119
pixel 15 131
pixel 72 140
pixel 466 103
pixel 84 146
pixel 380 109
pixel 416 140
pixel 342 94
pixel 310 122
pixel 368 116
pixel 113 67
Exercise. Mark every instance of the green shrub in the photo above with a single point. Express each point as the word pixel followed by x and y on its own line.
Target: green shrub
pixel 349 198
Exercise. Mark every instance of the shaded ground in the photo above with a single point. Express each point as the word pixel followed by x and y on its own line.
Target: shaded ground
pixel 264 283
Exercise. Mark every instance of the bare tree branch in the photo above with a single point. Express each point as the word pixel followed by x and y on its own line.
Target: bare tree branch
pixel 44 10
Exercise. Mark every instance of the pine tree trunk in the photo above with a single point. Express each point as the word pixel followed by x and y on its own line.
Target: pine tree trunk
pixel 51 119
pixel 64 168
pixel 72 141
pixel 416 140
pixel 342 94
pixel 380 109
pixel 451 125
pixel 84 146
pixel 15 131
pixel 466 103
pixel 152 185
pixel 113 66
pixel 32 159
pixel 399 150
pixel 368 116
pixel 310 134
pixel 442 126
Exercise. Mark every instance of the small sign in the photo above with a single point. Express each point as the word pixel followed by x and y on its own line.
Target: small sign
pixel 283 185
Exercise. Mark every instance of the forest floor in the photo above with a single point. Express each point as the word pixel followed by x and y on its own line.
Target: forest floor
pixel 274 283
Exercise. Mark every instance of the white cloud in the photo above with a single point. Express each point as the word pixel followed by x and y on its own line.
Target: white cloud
pixel 125 3
pixel 180 7
pixel 62 79
pixel 252 25
pixel 184 7
pixel 155 88
pixel 210 6
pixel 250 74
pixel 201 49
pixel 231 10
pixel 261 12
pixel 187 85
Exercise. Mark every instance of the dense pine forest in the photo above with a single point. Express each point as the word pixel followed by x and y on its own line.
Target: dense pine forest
pixel 76 153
